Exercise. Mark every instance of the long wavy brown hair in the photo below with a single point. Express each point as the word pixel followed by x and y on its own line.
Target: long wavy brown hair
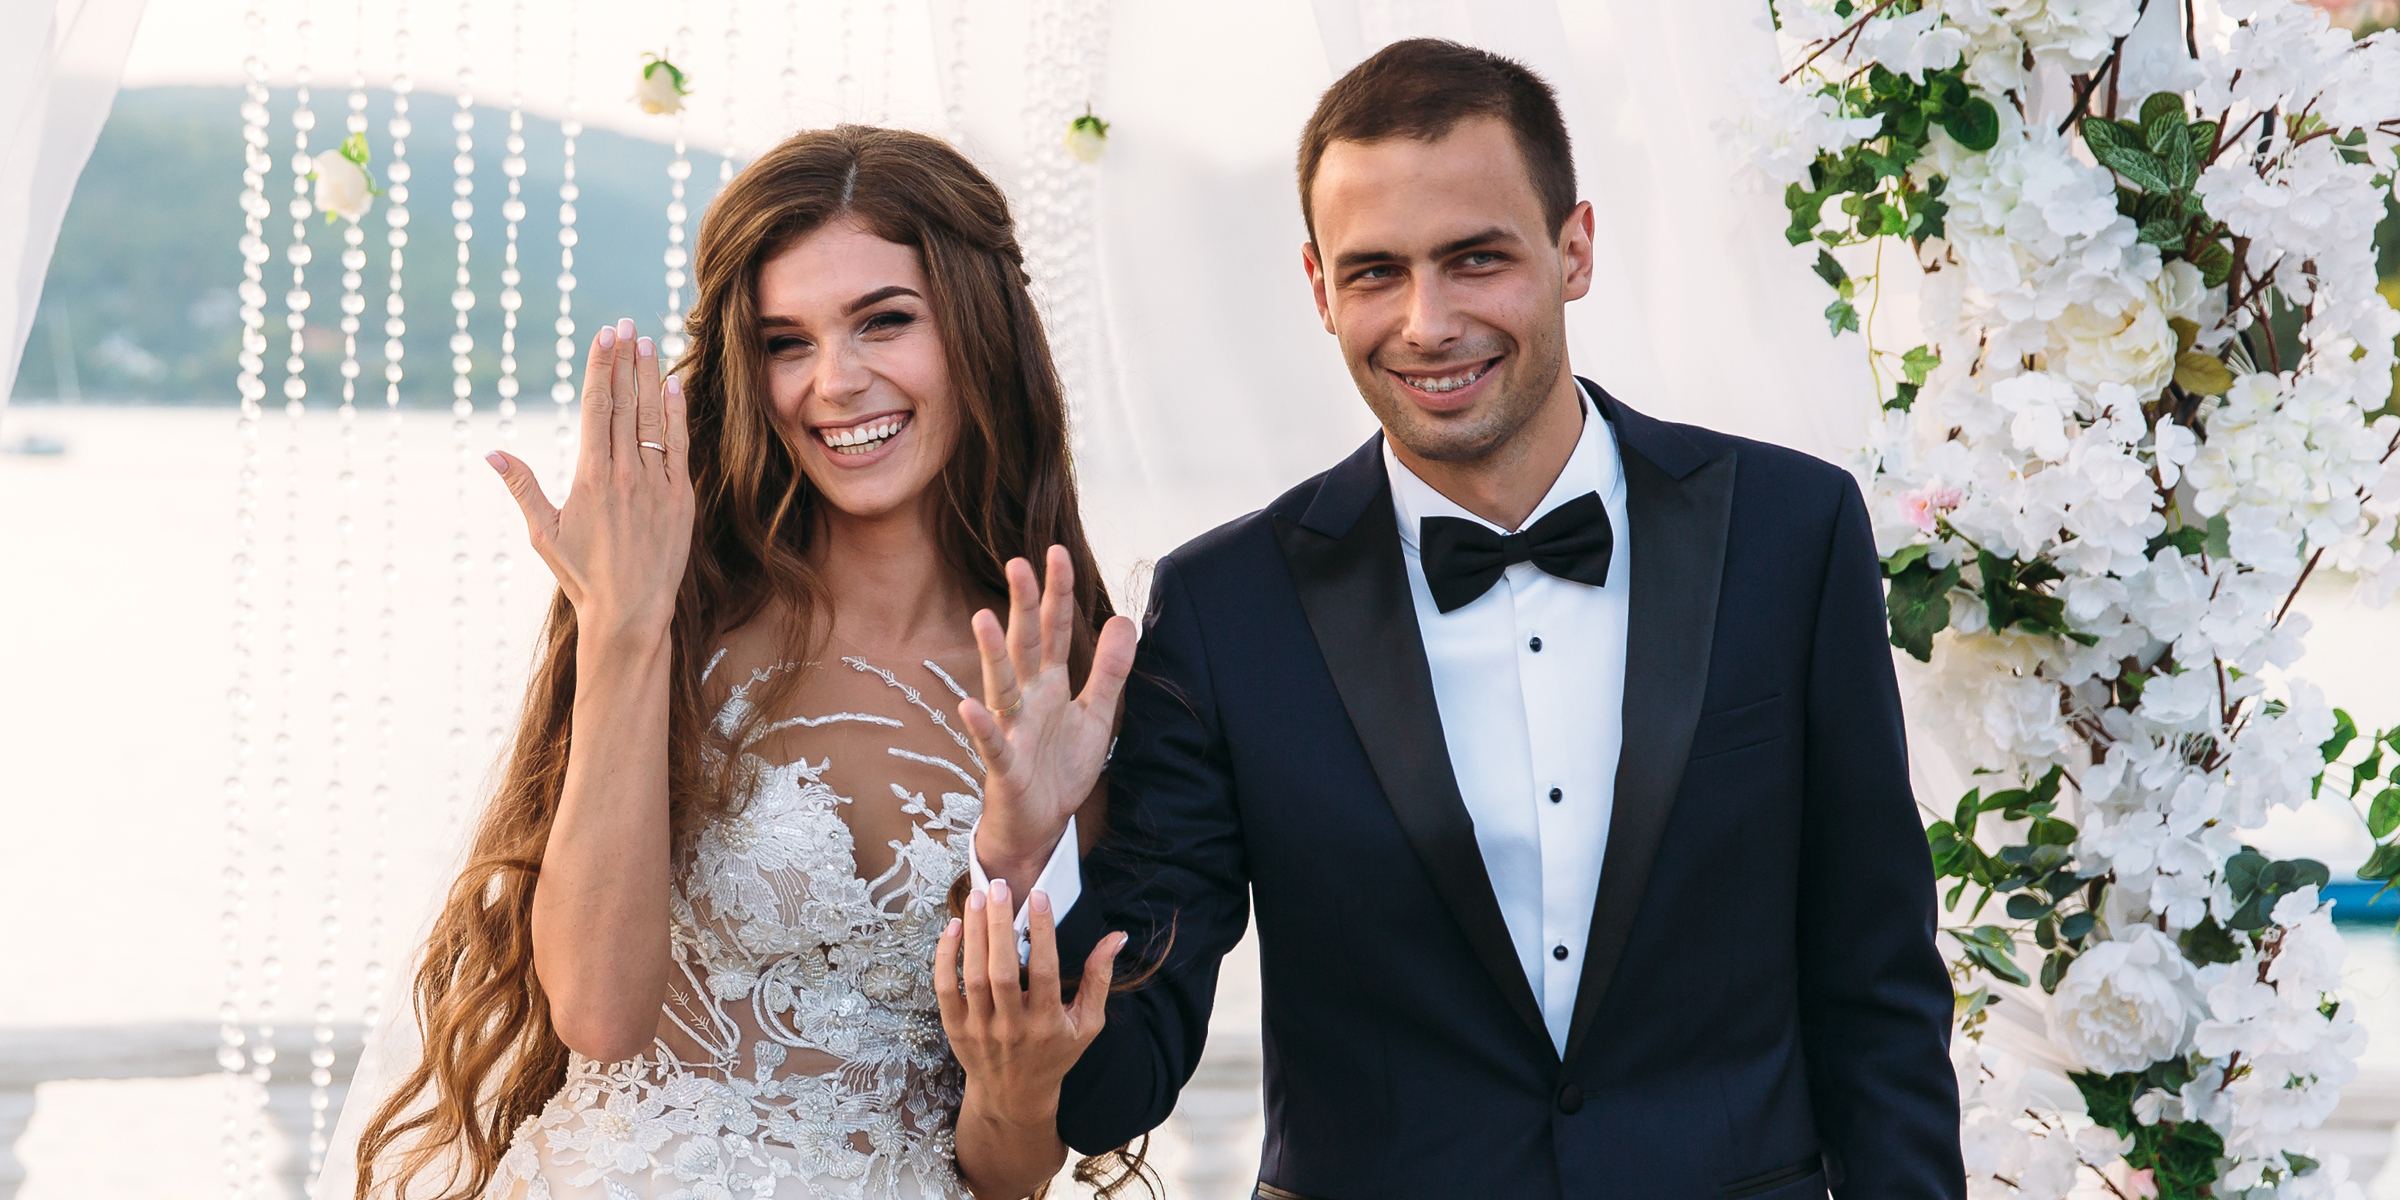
pixel 491 1059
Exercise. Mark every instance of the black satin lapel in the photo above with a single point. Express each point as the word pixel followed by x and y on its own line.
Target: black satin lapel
pixel 1678 542
pixel 1355 591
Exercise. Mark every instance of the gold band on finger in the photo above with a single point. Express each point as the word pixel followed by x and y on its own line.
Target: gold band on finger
pixel 1012 708
pixel 652 446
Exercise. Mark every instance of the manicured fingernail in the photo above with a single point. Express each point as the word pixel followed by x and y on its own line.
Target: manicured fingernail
pixel 644 347
pixel 625 327
pixel 607 338
pixel 1038 902
pixel 975 900
pixel 674 385
pixel 1000 891
pixel 951 930
pixel 498 463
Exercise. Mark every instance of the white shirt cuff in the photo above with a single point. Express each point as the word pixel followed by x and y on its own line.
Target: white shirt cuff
pixel 1061 880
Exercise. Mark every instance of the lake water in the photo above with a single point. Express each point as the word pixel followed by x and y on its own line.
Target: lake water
pixel 117 651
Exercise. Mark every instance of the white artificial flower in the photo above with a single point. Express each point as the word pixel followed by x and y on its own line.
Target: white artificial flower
pixel 1087 138
pixel 2124 1004
pixel 343 188
pixel 662 87
pixel 2132 345
pixel 1781 130
pixel 1918 42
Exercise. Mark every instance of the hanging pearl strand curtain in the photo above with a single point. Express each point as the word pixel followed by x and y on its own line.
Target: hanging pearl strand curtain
pixel 281 788
pixel 512 211
pixel 462 405
pixel 562 389
pixel 395 327
pixel 233 1040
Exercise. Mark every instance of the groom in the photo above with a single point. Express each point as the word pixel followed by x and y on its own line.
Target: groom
pixel 1558 745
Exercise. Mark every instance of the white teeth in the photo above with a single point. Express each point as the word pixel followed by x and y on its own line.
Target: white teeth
pixel 1446 383
pixel 859 439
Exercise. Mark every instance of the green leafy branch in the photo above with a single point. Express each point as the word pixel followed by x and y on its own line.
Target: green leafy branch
pixel 2357 765
pixel 2015 595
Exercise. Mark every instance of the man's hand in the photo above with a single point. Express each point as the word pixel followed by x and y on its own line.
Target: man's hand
pixel 1042 745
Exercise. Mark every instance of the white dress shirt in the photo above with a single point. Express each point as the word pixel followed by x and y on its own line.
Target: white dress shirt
pixel 1534 733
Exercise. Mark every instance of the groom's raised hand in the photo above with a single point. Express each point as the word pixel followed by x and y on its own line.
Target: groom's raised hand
pixel 1042 744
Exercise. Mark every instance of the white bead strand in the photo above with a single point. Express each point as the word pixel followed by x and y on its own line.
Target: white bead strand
pixel 891 49
pixel 562 390
pixel 791 65
pixel 727 88
pixel 512 298
pixel 232 1052
pixel 337 707
pixel 679 169
pixel 956 111
pixel 845 87
pixel 1065 59
pixel 295 393
pixel 462 407
pixel 395 217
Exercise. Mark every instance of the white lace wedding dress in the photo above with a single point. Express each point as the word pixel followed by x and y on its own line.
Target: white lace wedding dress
pixel 800 1051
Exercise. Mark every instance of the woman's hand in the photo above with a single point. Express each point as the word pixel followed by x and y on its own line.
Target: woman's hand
pixel 1015 1041
pixel 1042 745
pixel 619 543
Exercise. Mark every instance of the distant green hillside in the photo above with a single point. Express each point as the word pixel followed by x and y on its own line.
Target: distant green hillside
pixel 140 301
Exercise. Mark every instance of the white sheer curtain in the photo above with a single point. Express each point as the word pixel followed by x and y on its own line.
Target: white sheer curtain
pixel 58 74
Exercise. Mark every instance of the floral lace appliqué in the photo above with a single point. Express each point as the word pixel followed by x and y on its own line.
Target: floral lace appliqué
pixel 801 1050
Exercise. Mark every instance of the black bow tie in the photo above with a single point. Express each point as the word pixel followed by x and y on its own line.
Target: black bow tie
pixel 1464 558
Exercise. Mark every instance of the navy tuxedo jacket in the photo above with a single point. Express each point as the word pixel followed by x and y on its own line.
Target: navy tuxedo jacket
pixel 1762 1011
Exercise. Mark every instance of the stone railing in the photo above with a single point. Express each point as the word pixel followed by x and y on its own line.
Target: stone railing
pixel 32 1057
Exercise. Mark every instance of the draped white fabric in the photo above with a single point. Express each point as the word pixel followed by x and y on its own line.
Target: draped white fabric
pixel 1226 389
pixel 58 75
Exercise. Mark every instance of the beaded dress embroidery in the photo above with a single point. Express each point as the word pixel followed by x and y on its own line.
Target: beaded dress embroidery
pixel 800 1051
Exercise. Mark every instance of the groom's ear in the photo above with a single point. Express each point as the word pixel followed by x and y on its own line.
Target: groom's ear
pixel 1316 276
pixel 1574 254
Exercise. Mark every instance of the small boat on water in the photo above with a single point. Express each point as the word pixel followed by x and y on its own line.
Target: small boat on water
pixel 34 444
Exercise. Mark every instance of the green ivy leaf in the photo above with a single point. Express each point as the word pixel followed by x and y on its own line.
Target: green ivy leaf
pixel 1904 398
pixel 1919 606
pixel 1919 362
pixel 1830 271
pixel 1974 124
pixel 1840 316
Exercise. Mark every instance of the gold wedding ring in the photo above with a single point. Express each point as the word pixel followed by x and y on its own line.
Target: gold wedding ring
pixel 652 446
pixel 1012 708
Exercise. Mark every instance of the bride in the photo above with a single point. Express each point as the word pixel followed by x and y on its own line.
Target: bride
pixel 691 955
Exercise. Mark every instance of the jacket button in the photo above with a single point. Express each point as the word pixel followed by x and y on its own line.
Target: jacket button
pixel 1570 1099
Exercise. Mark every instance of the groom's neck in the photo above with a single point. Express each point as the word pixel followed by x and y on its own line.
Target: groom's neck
pixel 1505 483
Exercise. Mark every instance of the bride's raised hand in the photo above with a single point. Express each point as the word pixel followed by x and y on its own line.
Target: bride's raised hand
pixel 1042 743
pixel 618 544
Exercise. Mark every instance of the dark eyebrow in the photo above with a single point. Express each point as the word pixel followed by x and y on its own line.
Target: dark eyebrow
pixel 1363 258
pixel 878 296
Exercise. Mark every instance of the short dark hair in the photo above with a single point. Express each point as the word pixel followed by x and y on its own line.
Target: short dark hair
pixel 1422 88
